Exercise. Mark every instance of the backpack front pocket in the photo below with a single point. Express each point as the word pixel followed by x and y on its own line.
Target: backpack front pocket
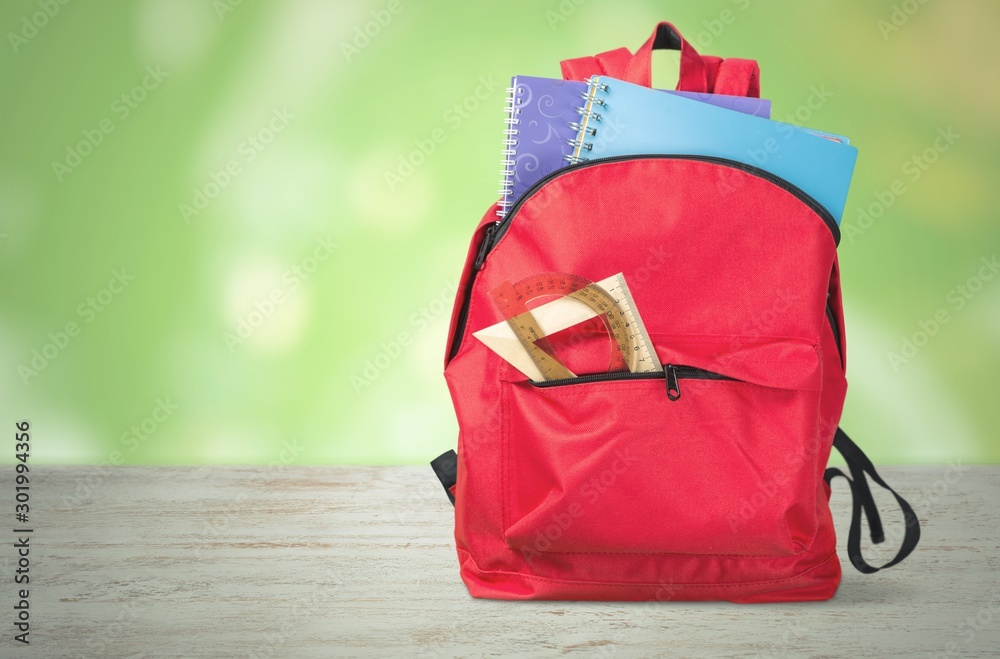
pixel 715 455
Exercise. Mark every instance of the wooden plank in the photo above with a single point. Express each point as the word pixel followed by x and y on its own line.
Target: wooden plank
pixel 359 561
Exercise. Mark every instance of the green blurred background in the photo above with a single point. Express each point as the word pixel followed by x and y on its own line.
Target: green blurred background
pixel 259 324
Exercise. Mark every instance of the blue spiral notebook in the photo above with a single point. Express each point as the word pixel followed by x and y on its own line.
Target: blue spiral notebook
pixel 543 120
pixel 620 119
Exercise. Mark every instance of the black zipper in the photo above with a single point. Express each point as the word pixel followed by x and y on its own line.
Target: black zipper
pixel 484 247
pixel 802 195
pixel 836 331
pixel 672 373
pixel 463 312
pixel 496 231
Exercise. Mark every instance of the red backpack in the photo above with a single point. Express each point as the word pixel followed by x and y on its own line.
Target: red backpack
pixel 706 480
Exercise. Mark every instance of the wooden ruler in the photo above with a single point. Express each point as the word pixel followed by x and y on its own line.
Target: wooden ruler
pixel 521 338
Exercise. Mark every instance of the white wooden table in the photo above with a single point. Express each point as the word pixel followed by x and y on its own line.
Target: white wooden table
pixel 359 561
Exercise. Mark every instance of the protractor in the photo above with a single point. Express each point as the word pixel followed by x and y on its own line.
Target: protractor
pixel 512 300
pixel 515 310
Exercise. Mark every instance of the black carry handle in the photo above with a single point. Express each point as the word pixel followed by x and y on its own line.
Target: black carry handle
pixel 859 464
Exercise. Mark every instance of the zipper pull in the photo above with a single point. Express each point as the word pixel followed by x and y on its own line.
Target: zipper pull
pixel 484 247
pixel 673 388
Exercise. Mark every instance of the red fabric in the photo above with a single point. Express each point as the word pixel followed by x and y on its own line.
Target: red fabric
pixel 738 77
pixel 698 73
pixel 611 63
pixel 608 490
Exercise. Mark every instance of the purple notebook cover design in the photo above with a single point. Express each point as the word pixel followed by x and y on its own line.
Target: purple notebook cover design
pixel 542 121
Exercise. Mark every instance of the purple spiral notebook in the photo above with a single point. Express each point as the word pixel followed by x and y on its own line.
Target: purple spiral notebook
pixel 543 120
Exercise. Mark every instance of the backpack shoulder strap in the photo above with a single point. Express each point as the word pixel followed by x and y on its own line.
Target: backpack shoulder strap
pixel 859 465
pixel 737 77
pixel 609 63
pixel 445 467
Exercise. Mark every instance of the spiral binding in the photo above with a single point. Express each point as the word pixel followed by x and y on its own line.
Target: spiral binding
pixel 590 113
pixel 509 152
